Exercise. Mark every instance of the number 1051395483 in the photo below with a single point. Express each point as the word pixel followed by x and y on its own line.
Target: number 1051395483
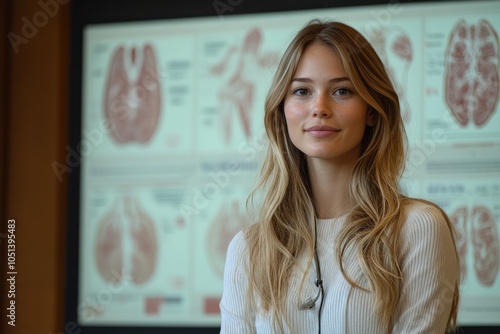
pixel 11 244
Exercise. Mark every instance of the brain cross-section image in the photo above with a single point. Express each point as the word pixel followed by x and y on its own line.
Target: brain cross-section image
pixel 485 243
pixel 126 243
pixel 472 71
pixel 459 220
pixel 394 47
pixel 132 102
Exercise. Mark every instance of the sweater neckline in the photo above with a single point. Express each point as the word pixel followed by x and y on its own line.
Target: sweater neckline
pixel 332 220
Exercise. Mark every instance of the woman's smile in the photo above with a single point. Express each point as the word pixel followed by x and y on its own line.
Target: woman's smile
pixel 321 131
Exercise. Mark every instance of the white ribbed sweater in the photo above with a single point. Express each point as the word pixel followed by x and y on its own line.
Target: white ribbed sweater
pixel 429 268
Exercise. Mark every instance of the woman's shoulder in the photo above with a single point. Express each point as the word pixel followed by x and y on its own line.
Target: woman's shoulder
pixel 236 255
pixel 239 246
pixel 420 209
pixel 238 243
pixel 424 219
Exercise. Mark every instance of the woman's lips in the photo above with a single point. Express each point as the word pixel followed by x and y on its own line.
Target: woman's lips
pixel 321 131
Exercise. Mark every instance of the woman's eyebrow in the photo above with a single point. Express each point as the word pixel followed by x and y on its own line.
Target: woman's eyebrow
pixel 309 80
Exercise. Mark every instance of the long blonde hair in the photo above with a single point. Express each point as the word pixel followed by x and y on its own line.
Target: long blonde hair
pixel 284 232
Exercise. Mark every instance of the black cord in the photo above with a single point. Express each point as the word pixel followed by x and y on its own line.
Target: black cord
pixel 320 308
pixel 319 281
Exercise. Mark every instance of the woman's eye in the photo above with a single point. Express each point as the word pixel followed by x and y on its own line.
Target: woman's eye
pixel 300 91
pixel 342 91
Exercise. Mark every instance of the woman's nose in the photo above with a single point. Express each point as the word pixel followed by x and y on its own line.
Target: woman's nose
pixel 321 106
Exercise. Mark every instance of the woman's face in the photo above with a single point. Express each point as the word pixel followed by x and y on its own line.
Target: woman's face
pixel 325 116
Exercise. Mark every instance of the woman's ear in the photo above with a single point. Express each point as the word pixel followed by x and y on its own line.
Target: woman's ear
pixel 370 117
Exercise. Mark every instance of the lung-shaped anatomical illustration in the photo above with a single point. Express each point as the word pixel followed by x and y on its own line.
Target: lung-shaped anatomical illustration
pixel 229 221
pixel 126 243
pixel 459 221
pixel 238 92
pixel 132 101
pixel 477 225
pixel 472 71
pixel 109 249
pixel 485 243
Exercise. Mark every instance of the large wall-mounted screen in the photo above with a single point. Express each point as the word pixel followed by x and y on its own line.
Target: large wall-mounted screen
pixel 172 140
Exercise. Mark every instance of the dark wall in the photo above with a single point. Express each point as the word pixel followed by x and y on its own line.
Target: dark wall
pixel 34 90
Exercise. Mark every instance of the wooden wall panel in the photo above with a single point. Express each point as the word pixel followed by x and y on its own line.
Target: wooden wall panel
pixel 37 90
pixel 3 114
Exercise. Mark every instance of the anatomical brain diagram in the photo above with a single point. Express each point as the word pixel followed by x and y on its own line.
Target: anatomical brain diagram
pixel 472 71
pixel 394 47
pixel 132 101
pixel 476 228
pixel 126 243
pixel 229 220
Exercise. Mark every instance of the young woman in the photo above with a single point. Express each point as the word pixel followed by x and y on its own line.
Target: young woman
pixel 338 248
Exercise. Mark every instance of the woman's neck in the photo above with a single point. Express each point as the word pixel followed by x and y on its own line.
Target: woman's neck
pixel 330 188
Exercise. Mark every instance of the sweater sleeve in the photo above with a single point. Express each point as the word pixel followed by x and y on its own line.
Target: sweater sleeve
pixel 232 305
pixel 430 270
